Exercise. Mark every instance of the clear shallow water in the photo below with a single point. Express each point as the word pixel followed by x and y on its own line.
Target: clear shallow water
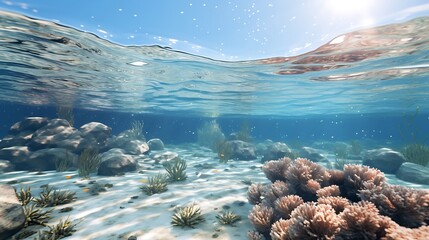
pixel 382 70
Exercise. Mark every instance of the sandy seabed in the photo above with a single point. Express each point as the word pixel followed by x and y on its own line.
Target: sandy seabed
pixel 124 210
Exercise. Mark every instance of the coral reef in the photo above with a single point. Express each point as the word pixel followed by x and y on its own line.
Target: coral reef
pixel 188 216
pixel 306 201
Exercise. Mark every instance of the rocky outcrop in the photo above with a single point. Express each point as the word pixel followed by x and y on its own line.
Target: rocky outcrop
pixel 414 173
pixel 275 151
pixel 241 150
pixel 384 159
pixel 155 144
pixel 312 154
pixel 115 161
pixel 12 217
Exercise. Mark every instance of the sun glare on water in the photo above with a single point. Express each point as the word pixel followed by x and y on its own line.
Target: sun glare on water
pixel 353 9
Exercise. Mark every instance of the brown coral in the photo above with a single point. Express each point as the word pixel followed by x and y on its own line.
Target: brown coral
pixel 337 203
pixel 403 233
pixel 362 221
pixel 270 193
pixel 279 230
pixel 408 207
pixel 275 170
pixel 337 177
pixel 311 221
pixel 330 191
pixel 261 217
pixel 285 205
pixel 307 177
pixel 254 193
pixel 254 235
pixel 355 177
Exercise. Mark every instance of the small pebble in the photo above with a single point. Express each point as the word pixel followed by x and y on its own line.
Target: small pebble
pixel 132 238
pixel 91 182
pixel 121 207
pixel 134 197
pixel 215 235
pixel 226 207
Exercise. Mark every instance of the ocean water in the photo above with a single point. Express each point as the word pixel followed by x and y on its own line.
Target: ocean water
pixel 369 86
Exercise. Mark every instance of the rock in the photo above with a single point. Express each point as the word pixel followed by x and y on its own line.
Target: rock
pixel 414 173
pixel 20 139
pixel 312 154
pixel 241 150
pixel 6 166
pixel 44 159
pixel 384 159
pixel 12 214
pixel 155 144
pixel 115 162
pixel 128 145
pixel 276 151
pixel 164 157
pixel 57 133
pixel 97 131
pixel 28 124
pixel 14 154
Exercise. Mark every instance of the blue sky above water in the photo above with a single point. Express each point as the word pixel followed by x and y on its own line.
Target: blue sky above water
pixel 227 30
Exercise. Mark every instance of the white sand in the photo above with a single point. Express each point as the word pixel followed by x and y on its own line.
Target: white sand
pixel 149 217
pixel 114 215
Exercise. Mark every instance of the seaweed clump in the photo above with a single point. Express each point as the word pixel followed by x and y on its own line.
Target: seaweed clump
pixel 228 218
pixel 188 216
pixel 50 197
pixel 306 201
pixel 176 169
pixel 155 184
pixel 61 230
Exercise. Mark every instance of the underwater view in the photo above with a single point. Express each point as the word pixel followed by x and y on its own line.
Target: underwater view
pixel 104 137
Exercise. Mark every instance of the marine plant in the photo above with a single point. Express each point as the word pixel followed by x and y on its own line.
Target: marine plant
pixel 64 228
pixel 176 169
pixel 35 215
pixel 188 216
pixel 155 184
pixel 244 134
pixel 356 147
pixel 224 151
pixel 416 153
pixel 88 162
pixel 64 164
pixel 210 135
pixel 228 218
pixel 65 111
pixel 50 197
pixel 136 130
pixel 24 196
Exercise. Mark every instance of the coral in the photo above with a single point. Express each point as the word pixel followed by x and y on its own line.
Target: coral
pixel 337 177
pixel 311 221
pixel 176 169
pixel 35 215
pixel 24 196
pixel 155 184
pixel 188 216
pixel 88 162
pixel 416 153
pixel 405 206
pixel 279 230
pixel 261 217
pixel 332 190
pixel 356 175
pixel 228 218
pixel 337 203
pixel 285 205
pixel 275 169
pixel 403 233
pixel 306 177
pixel 210 135
pixel 270 193
pixel 254 193
pixel 61 230
pixel 362 221
pixel 254 235
pixel 49 197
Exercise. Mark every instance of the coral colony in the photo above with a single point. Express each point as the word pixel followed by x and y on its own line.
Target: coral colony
pixel 307 201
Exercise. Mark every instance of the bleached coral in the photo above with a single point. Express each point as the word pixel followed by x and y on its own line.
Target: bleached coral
pixel 261 217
